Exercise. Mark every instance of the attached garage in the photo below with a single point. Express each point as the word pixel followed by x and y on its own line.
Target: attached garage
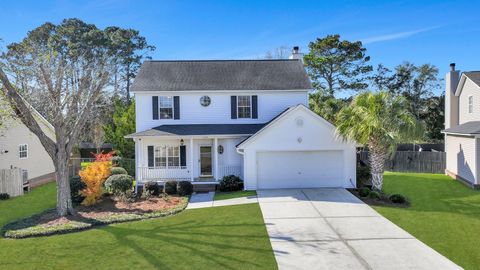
pixel 299 169
pixel 298 149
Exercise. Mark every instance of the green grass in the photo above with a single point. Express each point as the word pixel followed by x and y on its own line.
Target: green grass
pixel 232 237
pixel 85 164
pixel 234 194
pixel 444 214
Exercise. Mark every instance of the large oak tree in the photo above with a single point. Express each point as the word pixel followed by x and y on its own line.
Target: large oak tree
pixel 66 68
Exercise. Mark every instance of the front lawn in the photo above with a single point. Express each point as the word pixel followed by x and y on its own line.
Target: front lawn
pixel 232 237
pixel 444 214
pixel 234 194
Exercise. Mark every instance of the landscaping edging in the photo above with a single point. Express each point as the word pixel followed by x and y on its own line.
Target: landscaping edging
pixel 20 229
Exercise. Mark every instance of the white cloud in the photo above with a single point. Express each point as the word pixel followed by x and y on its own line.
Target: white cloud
pixel 395 36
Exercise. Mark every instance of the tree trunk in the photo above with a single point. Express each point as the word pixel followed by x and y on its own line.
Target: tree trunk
pixel 128 85
pixel 378 156
pixel 64 199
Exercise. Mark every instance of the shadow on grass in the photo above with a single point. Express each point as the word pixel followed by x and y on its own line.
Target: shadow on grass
pixel 218 243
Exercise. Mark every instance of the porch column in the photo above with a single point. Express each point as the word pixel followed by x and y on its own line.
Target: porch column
pixel 215 147
pixel 191 159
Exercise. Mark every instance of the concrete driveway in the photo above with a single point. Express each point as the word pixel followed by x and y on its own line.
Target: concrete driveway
pixel 330 228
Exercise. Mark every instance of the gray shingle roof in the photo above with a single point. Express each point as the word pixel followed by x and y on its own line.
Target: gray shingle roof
pixel 200 129
pixel 221 75
pixel 474 76
pixel 472 127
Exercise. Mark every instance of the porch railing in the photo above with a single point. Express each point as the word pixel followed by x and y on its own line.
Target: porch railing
pixel 162 174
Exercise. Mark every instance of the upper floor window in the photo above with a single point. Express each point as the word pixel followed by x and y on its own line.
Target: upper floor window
pixel 244 106
pixel 167 156
pixel 23 151
pixel 166 107
pixel 470 104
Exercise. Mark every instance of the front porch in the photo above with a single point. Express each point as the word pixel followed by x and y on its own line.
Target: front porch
pixel 201 160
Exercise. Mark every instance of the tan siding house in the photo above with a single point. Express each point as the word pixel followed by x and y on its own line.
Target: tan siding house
pixel 21 148
pixel 462 123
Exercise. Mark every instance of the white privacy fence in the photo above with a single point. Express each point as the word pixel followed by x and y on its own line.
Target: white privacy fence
pixel 11 182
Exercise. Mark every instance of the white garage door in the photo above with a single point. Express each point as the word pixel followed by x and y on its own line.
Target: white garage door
pixel 299 169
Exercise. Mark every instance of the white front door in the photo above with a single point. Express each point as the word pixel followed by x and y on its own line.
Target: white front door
pixel 299 169
pixel 206 161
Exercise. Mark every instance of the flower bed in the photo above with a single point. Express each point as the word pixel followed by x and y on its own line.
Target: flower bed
pixel 108 211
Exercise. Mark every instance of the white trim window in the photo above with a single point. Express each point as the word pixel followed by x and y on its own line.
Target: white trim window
pixel 23 151
pixel 165 105
pixel 244 106
pixel 167 157
pixel 470 104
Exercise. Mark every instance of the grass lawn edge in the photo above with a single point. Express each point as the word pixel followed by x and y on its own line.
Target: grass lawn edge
pixel 219 196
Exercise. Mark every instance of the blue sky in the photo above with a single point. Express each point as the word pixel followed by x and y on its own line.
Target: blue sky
pixel 436 32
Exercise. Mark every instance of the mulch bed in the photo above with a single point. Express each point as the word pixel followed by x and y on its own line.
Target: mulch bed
pixel 109 210
pixel 384 201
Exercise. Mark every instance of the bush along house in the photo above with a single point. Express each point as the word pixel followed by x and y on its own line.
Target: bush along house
pixel 202 120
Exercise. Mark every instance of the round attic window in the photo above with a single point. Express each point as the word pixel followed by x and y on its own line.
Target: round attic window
pixel 205 101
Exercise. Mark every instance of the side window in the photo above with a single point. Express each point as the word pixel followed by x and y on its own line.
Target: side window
pixel 166 107
pixel 244 106
pixel 23 151
pixel 470 104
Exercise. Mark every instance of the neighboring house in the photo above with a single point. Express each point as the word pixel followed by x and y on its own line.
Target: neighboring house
pixel 202 120
pixel 462 125
pixel 20 148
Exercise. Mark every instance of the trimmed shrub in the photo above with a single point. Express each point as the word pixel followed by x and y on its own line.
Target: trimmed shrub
pixel 126 163
pixel 397 198
pixel 118 170
pixel 374 195
pixel 170 187
pixel 231 183
pixel 153 188
pixel 76 185
pixel 184 188
pixel 119 183
pixel 363 192
pixel 4 196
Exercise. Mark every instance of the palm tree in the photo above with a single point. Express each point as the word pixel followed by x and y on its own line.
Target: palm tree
pixel 379 121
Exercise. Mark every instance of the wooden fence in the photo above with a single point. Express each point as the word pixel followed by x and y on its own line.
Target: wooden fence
pixel 410 161
pixel 11 182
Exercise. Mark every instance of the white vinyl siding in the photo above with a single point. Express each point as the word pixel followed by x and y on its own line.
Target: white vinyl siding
pixel 23 151
pixel 469 95
pixel 270 104
pixel 461 156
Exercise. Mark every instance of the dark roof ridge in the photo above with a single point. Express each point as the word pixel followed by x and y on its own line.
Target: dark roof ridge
pixel 224 60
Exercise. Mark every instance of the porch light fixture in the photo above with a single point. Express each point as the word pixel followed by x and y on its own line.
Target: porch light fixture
pixel 182 142
pixel 220 149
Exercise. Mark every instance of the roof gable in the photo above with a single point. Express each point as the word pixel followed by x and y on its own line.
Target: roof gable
pixel 221 75
pixel 284 115
pixel 474 76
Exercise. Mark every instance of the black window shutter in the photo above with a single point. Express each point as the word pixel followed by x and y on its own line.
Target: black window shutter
pixel 233 105
pixel 254 107
pixel 183 153
pixel 150 155
pixel 176 107
pixel 155 107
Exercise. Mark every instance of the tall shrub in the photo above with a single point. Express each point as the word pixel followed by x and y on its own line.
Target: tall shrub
pixel 93 176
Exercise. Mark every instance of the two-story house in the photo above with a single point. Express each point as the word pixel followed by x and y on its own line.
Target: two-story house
pixel 462 125
pixel 202 120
